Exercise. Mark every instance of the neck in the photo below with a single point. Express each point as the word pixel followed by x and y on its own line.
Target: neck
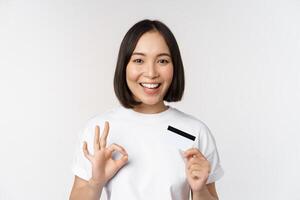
pixel 150 109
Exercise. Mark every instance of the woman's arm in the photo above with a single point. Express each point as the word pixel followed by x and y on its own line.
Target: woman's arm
pixel 87 190
pixel 208 193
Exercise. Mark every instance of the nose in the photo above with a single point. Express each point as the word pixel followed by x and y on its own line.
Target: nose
pixel 151 71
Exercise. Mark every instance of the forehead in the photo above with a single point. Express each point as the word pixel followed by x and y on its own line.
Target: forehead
pixel 152 43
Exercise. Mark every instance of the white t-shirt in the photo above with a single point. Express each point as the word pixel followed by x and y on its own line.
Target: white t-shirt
pixel 155 168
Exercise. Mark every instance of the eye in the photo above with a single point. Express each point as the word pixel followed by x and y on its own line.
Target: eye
pixel 139 61
pixel 163 61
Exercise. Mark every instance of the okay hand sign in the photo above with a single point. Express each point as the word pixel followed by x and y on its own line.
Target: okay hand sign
pixel 103 166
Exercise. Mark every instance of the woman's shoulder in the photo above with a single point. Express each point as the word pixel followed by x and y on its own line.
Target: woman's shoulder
pixel 189 118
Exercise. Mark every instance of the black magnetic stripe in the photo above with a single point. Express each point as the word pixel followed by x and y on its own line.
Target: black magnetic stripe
pixel 179 132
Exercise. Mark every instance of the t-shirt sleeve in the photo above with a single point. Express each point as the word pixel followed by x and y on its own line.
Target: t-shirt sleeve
pixel 81 166
pixel 207 146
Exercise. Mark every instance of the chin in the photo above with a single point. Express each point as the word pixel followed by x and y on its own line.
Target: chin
pixel 150 102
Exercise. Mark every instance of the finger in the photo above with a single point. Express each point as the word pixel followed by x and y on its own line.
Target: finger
pixel 122 161
pixel 205 167
pixel 193 173
pixel 193 152
pixel 96 138
pixel 199 160
pixel 104 135
pixel 86 151
pixel 196 174
pixel 115 147
pixel 199 174
pixel 194 161
pixel 195 167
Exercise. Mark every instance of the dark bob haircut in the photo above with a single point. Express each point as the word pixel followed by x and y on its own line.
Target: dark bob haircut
pixel 123 93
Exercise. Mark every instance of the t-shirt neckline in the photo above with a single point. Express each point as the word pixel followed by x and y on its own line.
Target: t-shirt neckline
pixel 148 116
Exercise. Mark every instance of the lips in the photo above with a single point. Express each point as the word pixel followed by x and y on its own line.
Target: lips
pixel 150 88
pixel 150 85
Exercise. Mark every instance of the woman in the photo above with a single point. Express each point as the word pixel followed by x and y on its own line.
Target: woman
pixel 155 150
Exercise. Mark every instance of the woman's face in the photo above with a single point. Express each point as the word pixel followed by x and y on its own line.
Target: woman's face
pixel 149 72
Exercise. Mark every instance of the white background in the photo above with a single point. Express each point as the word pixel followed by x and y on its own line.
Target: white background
pixel 242 65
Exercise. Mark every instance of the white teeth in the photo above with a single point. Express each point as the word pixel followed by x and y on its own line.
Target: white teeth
pixel 150 85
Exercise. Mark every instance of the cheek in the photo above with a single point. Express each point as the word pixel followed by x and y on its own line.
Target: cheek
pixel 132 73
pixel 168 73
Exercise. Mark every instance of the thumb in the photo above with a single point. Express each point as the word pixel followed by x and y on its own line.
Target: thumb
pixel 122 161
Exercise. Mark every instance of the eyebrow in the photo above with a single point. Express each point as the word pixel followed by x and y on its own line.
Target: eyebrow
pixel 142 54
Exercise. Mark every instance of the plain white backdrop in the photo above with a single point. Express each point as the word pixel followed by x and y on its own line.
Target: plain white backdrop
pixel 242 64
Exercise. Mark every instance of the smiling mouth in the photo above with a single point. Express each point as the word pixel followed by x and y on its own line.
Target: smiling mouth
pixel 150 85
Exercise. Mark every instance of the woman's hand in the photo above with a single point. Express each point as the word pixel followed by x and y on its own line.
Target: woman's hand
pixel 197 169
pixel 103 166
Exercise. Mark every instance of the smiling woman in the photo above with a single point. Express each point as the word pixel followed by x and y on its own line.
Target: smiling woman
pixel 149 48
pixel 165 153
pixel 149 72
